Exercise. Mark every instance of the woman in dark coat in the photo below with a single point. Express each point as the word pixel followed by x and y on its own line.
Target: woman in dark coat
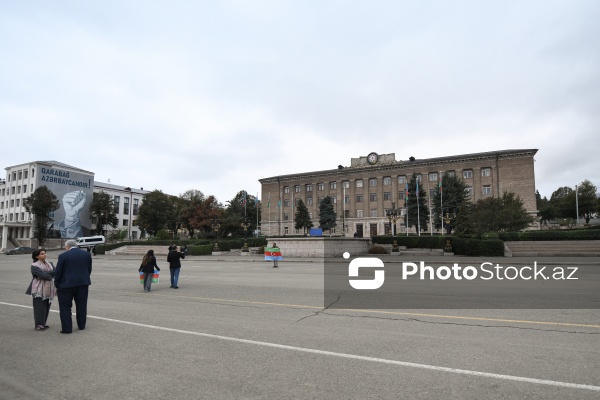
pixel 148 266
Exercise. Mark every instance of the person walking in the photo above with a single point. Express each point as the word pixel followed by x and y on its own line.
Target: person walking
pixel 72 281
pixel 148 266
pixel 174 259
pixel 41 288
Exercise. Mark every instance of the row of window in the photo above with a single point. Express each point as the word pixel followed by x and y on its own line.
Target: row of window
pixel 15 217
pixel 22 174
pixel 15 190
pixel 387 196
pixel 387 180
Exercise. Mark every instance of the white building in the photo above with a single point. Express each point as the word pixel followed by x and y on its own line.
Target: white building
pixel 74 187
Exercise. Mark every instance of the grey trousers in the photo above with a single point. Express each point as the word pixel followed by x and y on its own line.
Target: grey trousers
pixel 41 309
pixel 147 281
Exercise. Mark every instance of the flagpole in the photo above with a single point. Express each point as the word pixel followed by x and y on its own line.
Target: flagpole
pixel 429 206
pixel 406 204
pixel 293 216
pixel 418 210
pixel 256 202
pixel 269 207
pixel 442 201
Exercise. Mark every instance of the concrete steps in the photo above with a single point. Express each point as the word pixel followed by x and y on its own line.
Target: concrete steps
pixel 140 250
pixel 564 248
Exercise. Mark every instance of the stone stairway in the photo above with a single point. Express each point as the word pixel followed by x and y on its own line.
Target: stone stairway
pixel 140 250
pixel 563 248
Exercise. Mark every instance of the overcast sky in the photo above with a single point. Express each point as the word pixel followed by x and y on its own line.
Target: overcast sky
pixel 214 95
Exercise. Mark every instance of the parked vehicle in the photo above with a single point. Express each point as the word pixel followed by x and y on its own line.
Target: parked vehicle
pixel 19 250
pixel 90 241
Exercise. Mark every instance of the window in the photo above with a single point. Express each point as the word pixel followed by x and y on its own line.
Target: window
pixel 334 200
pixel 126 205
pixel 19 189
pixel 286 217
pixel 387 196
pixel 25 174
pixel 18 202
pixel 297 201
pixel 373 182
pixel 20 175
pixel 347 199
pixel 359 213
pixel 373 212
pixel 451 174
pixel 401 195
pixel 136 205
pixel 467 173
pixel 14 176
pixel 487 190
pixel 125 222
pixel 359 198
pixel 320 186
pixel 402 179
pixel 12 203
pixel 387 180
pixel 309 201
pixel 320 199
pixel 433 177
pixel 12 190
pixel 286 202
pixel 286 189
pixel 419 178
pixel 332 185
pixel 372 196
pixel 116 202
pixel 32 173
pixel 469 190
pixel 309 215
pixel 486 172
pixel 309 188
pixel 359 183
pixel 24 188
pixel 346 184
pixel 286 231
pixel 297 188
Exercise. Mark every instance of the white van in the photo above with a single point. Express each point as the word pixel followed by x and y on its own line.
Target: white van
pixel 90 241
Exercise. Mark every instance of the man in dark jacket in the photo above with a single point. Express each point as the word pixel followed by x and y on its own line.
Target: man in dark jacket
pixel 72 281
pixel 174 258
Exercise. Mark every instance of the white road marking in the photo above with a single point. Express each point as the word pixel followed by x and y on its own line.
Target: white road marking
pixel 348 356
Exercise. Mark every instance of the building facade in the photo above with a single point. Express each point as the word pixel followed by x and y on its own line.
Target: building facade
pixel 374 184
pixel 74 188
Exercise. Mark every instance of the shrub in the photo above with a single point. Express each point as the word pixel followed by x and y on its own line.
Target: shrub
pixel 200 250
pixel 412 242
pixel 162 235
pixel 477 247
pixel 575 234
pixel 378 250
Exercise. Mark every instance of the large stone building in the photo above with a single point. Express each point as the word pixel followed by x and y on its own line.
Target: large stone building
pixel 373 184
pixel 74 188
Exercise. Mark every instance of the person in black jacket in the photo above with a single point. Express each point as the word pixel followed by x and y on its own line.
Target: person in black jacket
pixel 174 258
pixel 72 281
pixel 148 266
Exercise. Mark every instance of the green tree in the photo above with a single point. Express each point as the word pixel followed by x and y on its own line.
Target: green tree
pixel 327 215
pixel 40 204
pixel 587 200
pixel 241 207
pixel 175 214
pixel 546 211
pixel 190 199
pixel 451 196
pixel 205 213
pixel 102 208
pixel 421 211
pixel 302 217
pixel 155 211
pixel 563 201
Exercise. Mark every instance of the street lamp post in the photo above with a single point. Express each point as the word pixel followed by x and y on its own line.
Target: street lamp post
pixel 245 226
pixel 393 215
pixel 215 225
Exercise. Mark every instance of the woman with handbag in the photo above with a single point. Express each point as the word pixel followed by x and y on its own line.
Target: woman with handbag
pixel 41 288
pixel 148 266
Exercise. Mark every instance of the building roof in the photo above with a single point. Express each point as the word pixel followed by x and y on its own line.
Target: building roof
pixel 111 186
pixel 53 164
pixel 406 163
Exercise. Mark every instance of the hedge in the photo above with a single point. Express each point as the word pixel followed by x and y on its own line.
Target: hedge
pixel 575 234
pixel 412 242
pixel 224 244
pixel 477 247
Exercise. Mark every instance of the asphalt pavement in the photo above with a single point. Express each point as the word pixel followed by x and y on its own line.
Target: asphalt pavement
pixel 239 329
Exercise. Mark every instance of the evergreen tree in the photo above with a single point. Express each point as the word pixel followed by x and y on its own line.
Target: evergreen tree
pixel 242 208
pixel 40 204
pixel 302 217
pixel 327 215
pixel 422 211
pixel 103 208
pixel 587 200
pixel 448 200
